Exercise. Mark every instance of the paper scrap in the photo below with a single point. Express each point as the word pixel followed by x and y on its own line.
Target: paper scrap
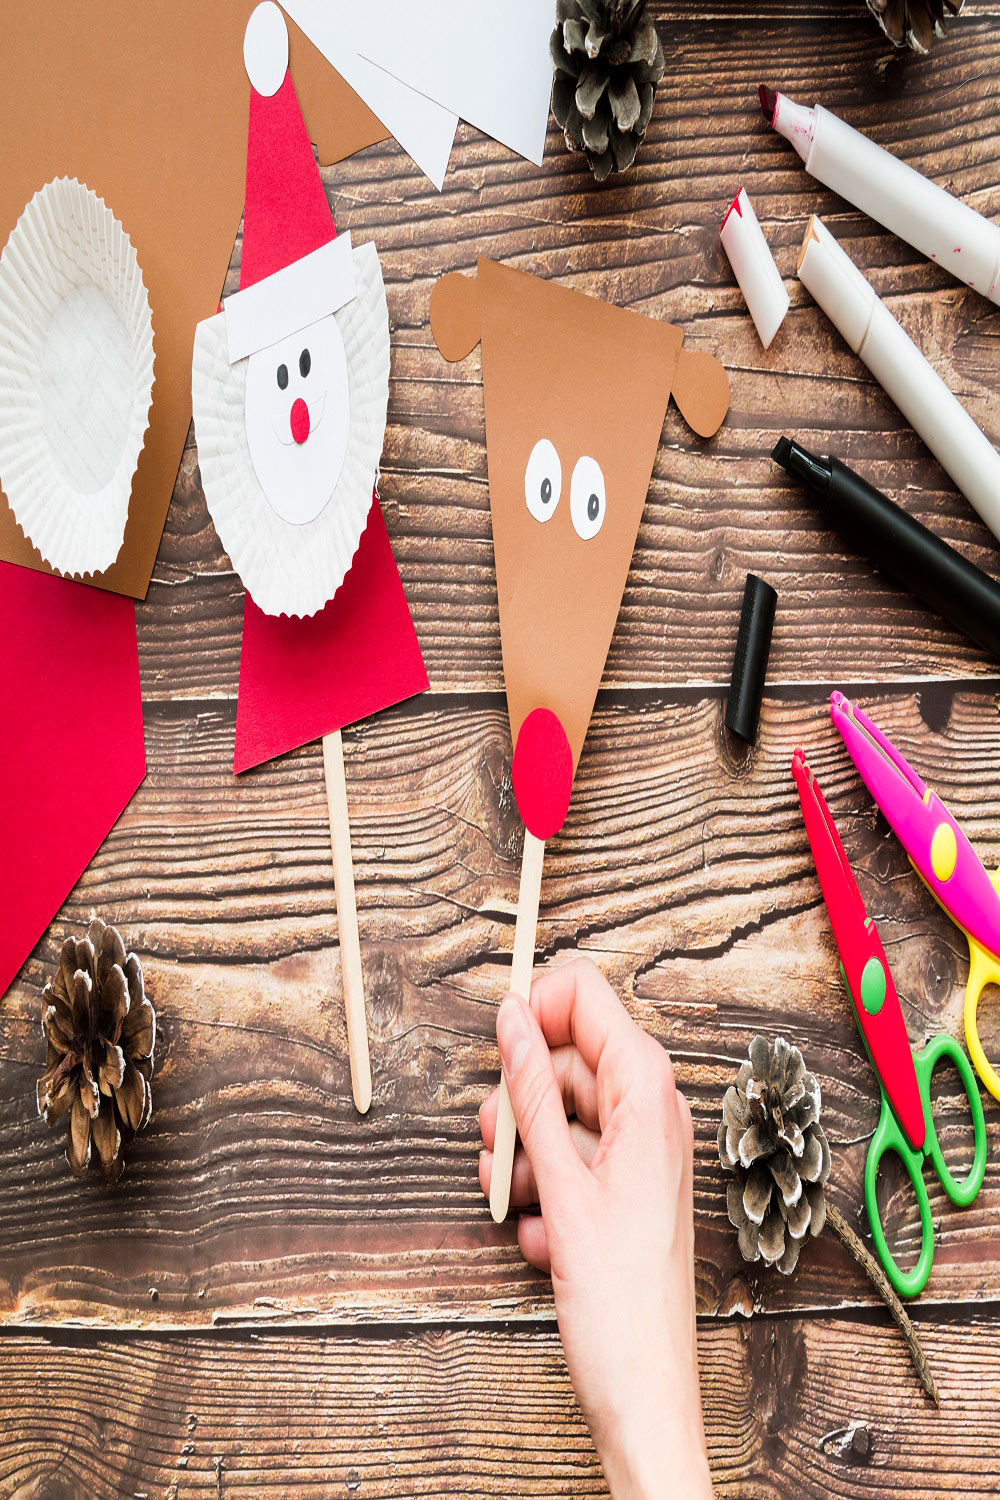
pixel 302 679
pixel 424 129
pixel 76 376
pixel 71 752
pixel 488 63
pixel 568 479
pixel 148 104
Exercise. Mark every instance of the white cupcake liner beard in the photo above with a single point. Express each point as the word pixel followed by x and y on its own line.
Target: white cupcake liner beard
pixel 290 568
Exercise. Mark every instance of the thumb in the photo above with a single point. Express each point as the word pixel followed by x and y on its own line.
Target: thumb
pixel 536 1098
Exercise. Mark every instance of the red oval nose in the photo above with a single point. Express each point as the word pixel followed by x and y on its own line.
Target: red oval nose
pixel 300 421
pixel 543 773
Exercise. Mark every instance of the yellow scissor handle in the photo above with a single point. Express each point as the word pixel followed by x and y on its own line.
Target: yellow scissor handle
pixel 984 969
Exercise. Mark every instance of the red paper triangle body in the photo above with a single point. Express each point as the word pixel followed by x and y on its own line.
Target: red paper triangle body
pixel 302 679
pixel 72 752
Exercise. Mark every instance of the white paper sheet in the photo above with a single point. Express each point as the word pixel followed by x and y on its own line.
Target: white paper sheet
pixel 487 60
pixel 424 128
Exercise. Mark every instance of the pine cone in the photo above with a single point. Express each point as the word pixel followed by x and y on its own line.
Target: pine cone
pixel 771 1138
pixel 101 1031
pixel 608 61
pixel 916 22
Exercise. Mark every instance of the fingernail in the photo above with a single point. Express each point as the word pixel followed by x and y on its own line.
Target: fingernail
pixel 513 1033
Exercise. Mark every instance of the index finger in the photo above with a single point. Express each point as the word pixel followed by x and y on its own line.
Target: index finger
pixel 575 1005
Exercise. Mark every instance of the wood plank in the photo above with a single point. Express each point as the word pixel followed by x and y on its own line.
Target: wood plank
pixel 683 870
pixel 824 1408
pixel 716 510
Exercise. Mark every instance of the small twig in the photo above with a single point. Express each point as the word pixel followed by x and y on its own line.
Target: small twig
pixel 852 1242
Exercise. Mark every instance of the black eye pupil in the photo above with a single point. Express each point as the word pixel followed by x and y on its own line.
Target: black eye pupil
pixel 305 363
pixel 546 491
pixel 593 507
pixel 282 377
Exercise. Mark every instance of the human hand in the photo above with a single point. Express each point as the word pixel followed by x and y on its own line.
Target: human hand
pixel 607 1157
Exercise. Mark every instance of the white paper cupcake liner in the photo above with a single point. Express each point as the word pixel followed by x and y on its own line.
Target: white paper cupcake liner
pixel 76 376
pixel 293 569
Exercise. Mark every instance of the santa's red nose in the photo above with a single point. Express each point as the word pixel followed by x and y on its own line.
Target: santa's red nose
pixel 542 773
pixel 300 421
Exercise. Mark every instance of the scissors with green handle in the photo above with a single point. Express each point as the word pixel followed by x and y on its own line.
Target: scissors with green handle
pixel 906 1124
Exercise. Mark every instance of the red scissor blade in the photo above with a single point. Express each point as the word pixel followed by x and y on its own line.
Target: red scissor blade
pixel 848 917
pixel 865 967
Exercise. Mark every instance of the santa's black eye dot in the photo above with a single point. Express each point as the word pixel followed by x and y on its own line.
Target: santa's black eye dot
pixel 593 507
pixel 546 491
pixel 282 377
pixel 305 363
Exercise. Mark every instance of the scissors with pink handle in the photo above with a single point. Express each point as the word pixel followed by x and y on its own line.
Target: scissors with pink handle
pixel 939 852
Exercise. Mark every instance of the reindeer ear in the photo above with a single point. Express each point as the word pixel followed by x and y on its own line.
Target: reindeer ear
pixel 455 315
pixel 701 390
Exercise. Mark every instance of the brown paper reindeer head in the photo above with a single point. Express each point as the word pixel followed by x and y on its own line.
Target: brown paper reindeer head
pixel 575 391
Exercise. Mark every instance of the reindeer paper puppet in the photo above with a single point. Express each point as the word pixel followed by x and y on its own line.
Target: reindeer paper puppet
pixel 290 389
pixel 568 482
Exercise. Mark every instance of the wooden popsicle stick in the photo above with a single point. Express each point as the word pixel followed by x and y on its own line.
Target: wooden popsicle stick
pixel 520 984
pixel 352 977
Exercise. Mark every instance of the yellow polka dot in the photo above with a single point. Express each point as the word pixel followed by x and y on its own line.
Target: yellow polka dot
pixel 944 851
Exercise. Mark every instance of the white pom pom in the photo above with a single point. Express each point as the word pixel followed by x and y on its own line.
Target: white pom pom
pixel 265 49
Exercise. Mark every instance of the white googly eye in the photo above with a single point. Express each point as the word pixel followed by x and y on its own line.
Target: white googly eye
pixel 543 480
pixel 587 502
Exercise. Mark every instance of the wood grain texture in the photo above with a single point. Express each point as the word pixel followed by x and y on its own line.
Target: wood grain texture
pixel 821 1409
pixel 715 510
pixel 682 871
pixel 287 1300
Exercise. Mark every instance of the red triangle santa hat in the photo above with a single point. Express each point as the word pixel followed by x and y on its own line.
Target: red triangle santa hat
pixel 291 274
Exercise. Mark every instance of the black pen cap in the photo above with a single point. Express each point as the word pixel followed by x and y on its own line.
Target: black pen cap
pixel 753 648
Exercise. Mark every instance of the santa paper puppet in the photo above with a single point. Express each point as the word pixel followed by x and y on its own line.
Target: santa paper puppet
pixel 290 388
pixel 568 482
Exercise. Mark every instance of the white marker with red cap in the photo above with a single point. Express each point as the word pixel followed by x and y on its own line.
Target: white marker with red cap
pixel 921 213
pixel 751 259
pixel 855 309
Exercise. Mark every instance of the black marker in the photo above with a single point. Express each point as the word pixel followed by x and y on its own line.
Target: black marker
pixel 903 548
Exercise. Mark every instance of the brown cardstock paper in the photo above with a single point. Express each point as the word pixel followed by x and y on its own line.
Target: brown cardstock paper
pixel 147 104
pixel 594 380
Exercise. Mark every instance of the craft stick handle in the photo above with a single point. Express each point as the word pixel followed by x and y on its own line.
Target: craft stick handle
pixel 347 921
pixel 520 984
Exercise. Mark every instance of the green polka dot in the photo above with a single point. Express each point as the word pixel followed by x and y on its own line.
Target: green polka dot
pixel 873 986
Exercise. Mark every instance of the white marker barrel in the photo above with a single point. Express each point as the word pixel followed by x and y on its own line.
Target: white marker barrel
pixel 930 219
pixel 751 259
pixel 854 308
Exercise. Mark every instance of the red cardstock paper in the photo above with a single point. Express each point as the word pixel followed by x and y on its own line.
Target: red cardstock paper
pixel 278 149
pixel 72 752
pixel 301 679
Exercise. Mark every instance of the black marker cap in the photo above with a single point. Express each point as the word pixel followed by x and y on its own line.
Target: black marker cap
pixel 753 647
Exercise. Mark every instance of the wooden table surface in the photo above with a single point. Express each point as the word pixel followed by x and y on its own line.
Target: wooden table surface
pixel 282 1299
